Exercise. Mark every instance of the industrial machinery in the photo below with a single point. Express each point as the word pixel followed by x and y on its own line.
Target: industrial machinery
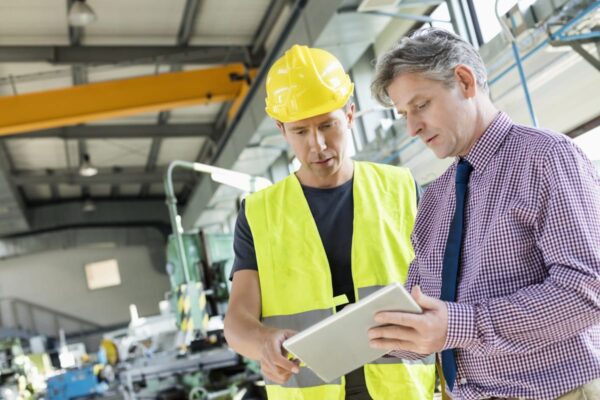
pixel 75 383
pixel 182 354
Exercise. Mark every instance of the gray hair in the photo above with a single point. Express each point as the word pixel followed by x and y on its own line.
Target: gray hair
pixel 432 52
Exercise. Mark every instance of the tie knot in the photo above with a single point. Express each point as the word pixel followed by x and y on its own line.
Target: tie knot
pixel 463 171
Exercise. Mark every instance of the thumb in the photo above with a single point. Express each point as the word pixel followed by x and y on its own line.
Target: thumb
pixel 422 299
pixel 288 333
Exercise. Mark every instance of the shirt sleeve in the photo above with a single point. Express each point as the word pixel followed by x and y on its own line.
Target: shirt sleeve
pixel 566 303
pixel 243 244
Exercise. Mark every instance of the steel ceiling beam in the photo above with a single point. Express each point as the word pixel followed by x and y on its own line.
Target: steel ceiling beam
pixel 151 163
pixel 75 32
pixel 267 24
pixel 80 77
pixel 188 22
pixel 64 214
pixel 12 209
pixel 163 119
pixel 119 98
pixel 104 176
pixel 135 55
pixel 123 131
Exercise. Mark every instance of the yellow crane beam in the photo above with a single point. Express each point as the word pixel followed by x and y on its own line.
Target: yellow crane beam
pixel 237 103
pixel 119 98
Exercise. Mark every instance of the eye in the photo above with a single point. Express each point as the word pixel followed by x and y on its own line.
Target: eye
pixel 422 105
pixel 329 124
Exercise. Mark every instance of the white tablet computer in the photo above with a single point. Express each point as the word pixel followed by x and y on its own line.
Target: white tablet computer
pixel 339 344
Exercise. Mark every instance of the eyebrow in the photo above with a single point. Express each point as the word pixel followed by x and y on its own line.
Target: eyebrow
pixel 299 128
pixel 413 100
pixel 327 121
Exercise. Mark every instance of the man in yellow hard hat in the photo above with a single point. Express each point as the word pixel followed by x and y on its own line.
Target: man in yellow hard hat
pixel 326 236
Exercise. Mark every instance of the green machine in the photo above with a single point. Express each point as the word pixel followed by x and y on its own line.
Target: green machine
pixel 200 285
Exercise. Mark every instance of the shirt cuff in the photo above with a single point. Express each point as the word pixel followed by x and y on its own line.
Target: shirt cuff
pixel 461 326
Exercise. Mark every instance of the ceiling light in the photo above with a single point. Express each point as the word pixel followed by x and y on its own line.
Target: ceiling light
pixel 86 168
pixel 80 14
pixel 88 205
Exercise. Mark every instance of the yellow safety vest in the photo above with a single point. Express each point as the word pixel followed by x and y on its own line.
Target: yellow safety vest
pixel 295 278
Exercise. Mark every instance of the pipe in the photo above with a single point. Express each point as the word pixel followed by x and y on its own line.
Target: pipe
pixel 583 36
pixel 171 201
pixel 522 76
pixel 475 20
pixel 410 17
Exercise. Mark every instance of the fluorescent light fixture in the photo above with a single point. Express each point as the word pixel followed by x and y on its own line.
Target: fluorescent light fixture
pixel 238 180
pixel 243 182
pixel 81 14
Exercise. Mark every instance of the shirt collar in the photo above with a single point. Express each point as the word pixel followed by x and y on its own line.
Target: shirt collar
pixel 489 143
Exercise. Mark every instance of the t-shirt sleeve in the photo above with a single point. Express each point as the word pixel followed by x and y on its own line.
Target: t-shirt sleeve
pixel 243 244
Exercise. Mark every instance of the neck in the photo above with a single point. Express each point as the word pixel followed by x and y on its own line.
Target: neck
pixel 484 115
pixel 341 176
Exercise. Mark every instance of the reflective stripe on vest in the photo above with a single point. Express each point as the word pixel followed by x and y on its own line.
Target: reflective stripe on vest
pixel 295 278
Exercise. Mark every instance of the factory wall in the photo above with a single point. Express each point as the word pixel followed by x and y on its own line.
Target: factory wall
pixel 57 280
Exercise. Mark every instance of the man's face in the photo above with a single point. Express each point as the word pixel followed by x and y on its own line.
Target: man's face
pixel 320 142
pixel 442 117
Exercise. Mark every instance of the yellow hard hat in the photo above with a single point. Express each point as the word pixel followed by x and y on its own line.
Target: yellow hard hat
pixel 306 82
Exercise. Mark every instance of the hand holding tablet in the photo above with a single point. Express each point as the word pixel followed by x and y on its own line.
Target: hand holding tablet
pixel 340 344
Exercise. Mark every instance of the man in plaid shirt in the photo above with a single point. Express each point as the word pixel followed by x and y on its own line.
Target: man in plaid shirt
pixel 507 240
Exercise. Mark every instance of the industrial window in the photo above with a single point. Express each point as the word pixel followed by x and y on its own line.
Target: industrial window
pixel 102 274
pixel 486 15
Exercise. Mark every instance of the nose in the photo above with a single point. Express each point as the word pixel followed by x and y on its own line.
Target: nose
pixel 413 125
pixel 317 141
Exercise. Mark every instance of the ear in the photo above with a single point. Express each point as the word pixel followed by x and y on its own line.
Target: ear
pixel 467 82
pixel 281 127
pixel 350 115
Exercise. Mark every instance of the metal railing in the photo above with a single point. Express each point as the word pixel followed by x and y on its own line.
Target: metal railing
pixel 38 319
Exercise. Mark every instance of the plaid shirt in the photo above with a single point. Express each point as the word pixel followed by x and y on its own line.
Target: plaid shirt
pixel 527 318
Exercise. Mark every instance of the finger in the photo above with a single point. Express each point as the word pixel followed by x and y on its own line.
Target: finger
pixel 423 300
pixel 277 359
pixel 286 364
pixel 282 376
pixel 288 333
pixel 394 332
pixel 391 344
pixel 277 356
pixel 274 374
pixel 399 318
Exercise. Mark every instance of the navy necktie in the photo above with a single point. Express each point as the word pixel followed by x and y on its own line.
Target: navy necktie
pixel 450 265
